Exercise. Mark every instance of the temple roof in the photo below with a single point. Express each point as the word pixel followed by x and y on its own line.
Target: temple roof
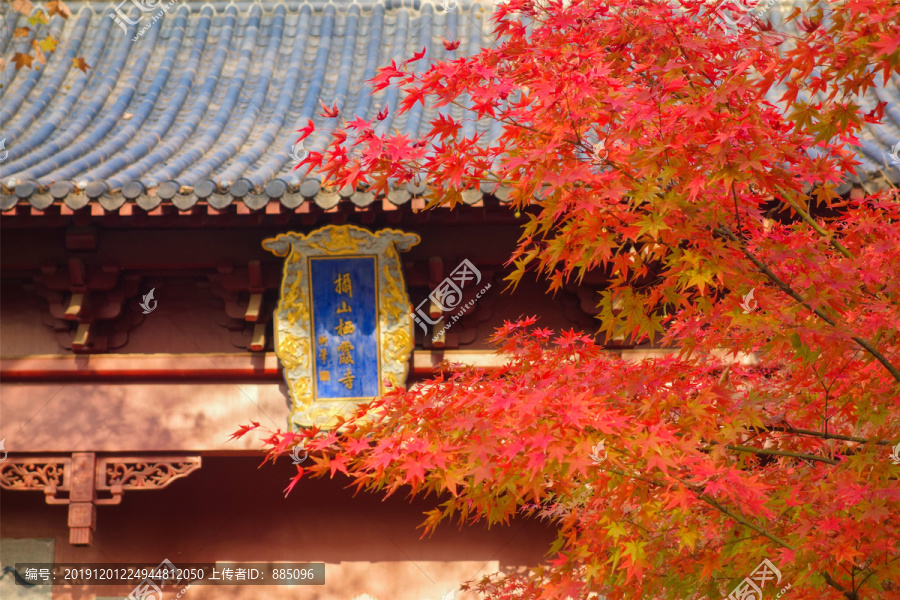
pixel 203 104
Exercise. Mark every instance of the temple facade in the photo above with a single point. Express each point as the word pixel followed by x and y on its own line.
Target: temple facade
pixel 147 308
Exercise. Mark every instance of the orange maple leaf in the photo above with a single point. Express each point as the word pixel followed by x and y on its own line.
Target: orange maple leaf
pixel 58 7
pixel 22 60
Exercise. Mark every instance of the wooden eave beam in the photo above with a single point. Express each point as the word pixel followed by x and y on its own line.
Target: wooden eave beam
pixel 246 366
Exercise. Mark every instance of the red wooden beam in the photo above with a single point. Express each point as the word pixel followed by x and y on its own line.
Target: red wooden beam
pixel 258 366
pixel 185 367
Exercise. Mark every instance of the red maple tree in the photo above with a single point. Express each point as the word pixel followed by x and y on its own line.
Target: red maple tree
pixel 641 141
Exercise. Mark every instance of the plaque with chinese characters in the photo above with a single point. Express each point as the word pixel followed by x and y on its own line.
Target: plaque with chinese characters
pixel 342 325
pixel 345 326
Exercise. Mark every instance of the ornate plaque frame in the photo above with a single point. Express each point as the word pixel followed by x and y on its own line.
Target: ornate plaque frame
pixel 293 316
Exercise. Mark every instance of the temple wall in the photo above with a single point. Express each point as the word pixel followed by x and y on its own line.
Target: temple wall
pixel 179 380
pixel 232 510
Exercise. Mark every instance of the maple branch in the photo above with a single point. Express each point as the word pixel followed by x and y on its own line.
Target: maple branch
pixel 737 541
pixel 781 453
pixel 818 228
pixel 824 233
pixel 502 119
pixel 638 477
pixel 684 55
pixel 715 504
pixel 723 230
pixel 831 436
pixel 872 571
pixel 851 595
pixel 712 502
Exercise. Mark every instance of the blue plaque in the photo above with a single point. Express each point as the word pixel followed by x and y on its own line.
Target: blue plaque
pixel 342 328
pixel 345 326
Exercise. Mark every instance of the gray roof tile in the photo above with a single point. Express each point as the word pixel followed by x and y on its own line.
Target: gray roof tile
pixel 208 97
pixel 202 105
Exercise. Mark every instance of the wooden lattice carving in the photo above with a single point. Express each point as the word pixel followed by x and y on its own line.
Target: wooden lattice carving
pixel 80 477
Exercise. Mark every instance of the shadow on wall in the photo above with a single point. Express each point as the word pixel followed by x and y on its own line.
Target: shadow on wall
pixel 233 510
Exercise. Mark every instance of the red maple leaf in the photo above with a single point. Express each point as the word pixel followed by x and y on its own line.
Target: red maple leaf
pixel 244 429
pixel 416 56
pixel 306 130
pixel 329 112
pixel 385 74
pixel 359 124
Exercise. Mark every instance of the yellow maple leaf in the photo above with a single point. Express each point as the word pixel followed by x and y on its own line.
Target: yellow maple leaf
pixel 38 18
pixel 48 44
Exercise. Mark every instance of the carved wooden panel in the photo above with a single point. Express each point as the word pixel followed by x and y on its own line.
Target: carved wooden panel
pixel 83 475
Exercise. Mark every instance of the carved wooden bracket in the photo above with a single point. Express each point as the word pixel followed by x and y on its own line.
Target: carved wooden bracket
pixel 87 304
pixel 451 331
pixel 588 300
pixel 84 476
pixel 435 276
pixel 243 289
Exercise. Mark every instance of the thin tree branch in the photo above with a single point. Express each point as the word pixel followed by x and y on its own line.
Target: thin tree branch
pixel 812 223
pixel 715 504
pixel 712 502
pixel 781 453
pixel 793 294
pixel 832 436
pixel 850 595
